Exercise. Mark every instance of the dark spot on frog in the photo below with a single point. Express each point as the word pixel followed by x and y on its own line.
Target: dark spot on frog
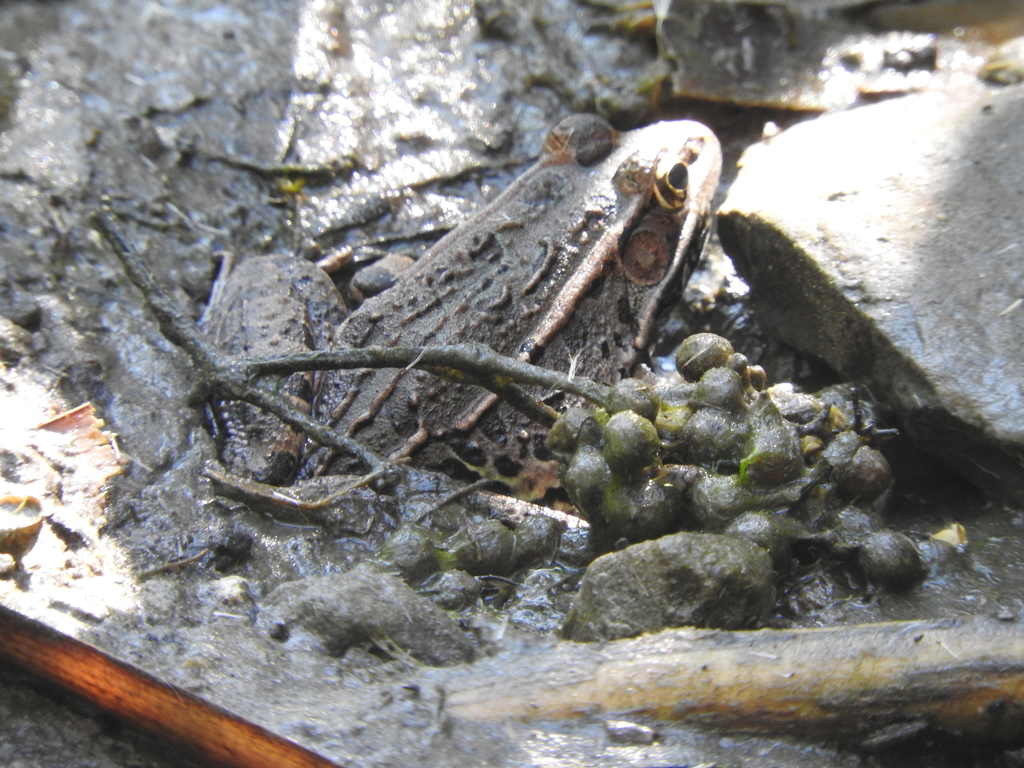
pixel 996 708
pixel 480 243
pixel 457 470
pixel 544 188
pixel 471 453
pixel 279 468
pixel 606 351
pixel 507 466
pixel 299 386
pixel 625 312
pixel 531 349
pixel 557 401
pixel 555 497
pixel 495 432
pixel 540 449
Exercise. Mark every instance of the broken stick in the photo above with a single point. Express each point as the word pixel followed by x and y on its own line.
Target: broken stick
pixel 963 676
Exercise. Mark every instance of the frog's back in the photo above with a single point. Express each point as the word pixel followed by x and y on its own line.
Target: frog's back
pixel 539 274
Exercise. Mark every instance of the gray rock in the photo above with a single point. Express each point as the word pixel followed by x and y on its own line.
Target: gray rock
pixel 698 579
pixel 889 241
pixel 361 607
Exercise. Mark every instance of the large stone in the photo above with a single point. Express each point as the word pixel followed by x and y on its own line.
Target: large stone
pixel 685 579
pixel 889 241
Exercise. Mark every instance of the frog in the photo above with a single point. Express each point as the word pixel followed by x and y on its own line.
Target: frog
pixel 566 268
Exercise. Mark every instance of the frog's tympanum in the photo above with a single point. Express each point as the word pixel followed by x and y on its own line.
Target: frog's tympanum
pixel 568 266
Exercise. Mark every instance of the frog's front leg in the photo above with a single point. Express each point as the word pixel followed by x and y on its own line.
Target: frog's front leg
pixel 270 306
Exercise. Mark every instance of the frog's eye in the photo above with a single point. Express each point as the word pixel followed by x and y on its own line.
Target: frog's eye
pixel 670 185
pixel 677 177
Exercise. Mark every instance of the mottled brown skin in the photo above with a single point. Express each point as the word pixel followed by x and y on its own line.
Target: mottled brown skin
pixel 570 263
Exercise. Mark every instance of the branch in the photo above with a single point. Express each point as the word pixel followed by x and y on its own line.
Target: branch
pixel 472 363
pixel 961 676
pixel 223 375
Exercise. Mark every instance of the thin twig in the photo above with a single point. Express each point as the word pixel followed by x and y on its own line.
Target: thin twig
pixel 177 565
pixel 491 370
pixel 453 497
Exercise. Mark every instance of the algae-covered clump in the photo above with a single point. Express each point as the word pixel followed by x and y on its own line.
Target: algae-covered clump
pixel 710 447
pixel 477 547
pixel 630 443
pixel 791 479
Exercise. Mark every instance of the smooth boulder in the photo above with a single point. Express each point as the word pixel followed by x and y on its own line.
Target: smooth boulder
pixel 889 242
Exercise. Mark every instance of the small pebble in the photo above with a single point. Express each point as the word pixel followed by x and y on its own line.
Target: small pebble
pixel 232 590
pixel 625 732
pixel 891 560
